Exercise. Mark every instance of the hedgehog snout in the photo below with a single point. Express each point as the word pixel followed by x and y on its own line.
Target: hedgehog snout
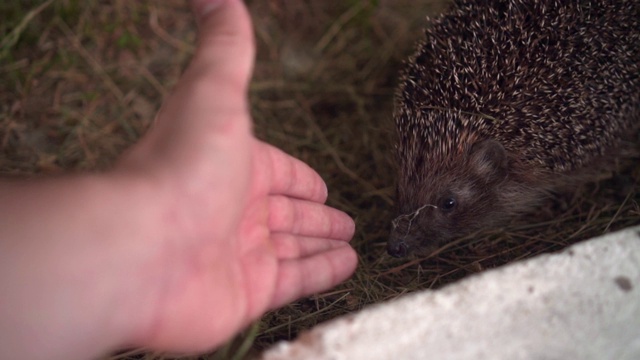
pixel 400 244
pixel 397 248
pixel 399 239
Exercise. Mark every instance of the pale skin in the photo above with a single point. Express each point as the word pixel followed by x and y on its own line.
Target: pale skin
pixel 197 230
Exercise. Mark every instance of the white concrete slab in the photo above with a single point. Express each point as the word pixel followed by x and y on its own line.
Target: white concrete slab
pixel 582 303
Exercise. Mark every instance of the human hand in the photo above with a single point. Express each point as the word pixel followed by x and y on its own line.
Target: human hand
pixel 198 230
pixel 244 225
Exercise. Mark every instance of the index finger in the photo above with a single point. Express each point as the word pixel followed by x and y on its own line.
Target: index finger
pixel 292 177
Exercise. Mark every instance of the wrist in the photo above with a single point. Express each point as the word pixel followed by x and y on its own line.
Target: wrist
pixel 72 258
pixel 133 268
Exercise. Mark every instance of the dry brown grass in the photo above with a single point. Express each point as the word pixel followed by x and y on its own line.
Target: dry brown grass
pixel 79 81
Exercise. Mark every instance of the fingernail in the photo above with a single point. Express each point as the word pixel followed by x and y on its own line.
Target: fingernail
pixel 203 7
pixel 326 190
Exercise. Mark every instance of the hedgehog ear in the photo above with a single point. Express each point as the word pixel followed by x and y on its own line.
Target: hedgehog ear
pixel 488 158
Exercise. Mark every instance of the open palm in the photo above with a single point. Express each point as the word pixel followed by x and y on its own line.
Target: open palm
pixel 245 228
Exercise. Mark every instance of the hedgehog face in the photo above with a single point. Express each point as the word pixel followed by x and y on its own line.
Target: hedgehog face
pixel 451 202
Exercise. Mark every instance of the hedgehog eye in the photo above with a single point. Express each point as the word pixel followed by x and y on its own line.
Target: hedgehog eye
pixel 448 204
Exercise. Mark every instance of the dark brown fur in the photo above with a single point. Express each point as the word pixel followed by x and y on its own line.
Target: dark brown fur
pixel 503 102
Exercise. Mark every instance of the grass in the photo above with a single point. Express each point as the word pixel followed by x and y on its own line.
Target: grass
pixel 80 81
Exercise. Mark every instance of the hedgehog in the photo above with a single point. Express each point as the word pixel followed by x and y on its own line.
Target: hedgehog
pixel 504 103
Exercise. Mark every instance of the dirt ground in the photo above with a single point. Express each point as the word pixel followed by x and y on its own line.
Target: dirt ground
pixel 81 80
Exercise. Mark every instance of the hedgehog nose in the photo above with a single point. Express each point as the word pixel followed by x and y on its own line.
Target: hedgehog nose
pixel 397 249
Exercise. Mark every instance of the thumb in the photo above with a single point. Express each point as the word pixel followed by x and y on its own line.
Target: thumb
pixel 210 99
pixel 217 79
pixel 226 49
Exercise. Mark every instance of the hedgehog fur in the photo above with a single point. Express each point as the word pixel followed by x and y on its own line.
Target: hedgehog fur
pixel 504 101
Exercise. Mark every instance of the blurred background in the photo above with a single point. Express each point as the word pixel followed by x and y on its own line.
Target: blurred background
pixel 82 80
